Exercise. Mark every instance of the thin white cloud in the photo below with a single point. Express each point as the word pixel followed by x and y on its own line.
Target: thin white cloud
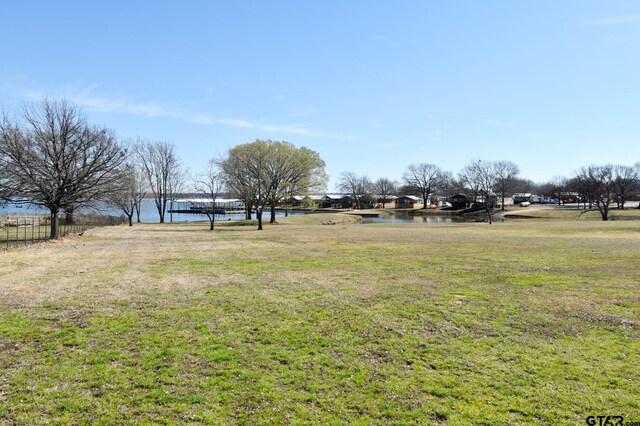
pixel 90 98
pixel 290 129
pixel 236 123
pixel 87 98
pixel 612 20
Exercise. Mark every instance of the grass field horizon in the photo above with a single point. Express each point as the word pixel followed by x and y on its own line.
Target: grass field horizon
pixel 519 322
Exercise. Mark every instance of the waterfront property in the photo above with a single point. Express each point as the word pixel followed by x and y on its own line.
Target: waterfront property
pixel 521 322
pixel 338 201
pixel 199 205
pixel 409 202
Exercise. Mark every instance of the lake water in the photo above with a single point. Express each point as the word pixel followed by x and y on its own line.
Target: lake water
pixel 414 219
pixel 148 213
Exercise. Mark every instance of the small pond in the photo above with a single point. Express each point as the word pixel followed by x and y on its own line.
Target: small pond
pixel 416 219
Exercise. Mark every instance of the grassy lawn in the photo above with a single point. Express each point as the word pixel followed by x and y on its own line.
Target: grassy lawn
pixel 569 213
pixel 520 322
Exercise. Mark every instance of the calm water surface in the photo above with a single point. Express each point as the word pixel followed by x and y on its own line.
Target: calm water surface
pixel 414 219
pixel 148 213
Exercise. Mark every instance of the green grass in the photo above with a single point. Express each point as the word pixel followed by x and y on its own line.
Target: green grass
pixel 570 213
pixel 521 322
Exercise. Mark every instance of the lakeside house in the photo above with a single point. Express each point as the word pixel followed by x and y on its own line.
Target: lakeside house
pixel 522 197
pixel 508 201
pixel 387 202
pixel 409 202
pixel 460 201
pixel 311 199
pixel 338 201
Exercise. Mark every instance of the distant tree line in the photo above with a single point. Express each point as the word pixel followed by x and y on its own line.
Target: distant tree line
pixel 487 182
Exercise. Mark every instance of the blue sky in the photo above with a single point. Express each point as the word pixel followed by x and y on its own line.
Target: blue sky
pixel 372 86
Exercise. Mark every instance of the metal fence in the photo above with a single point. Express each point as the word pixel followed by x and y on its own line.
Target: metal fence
pixel 19 230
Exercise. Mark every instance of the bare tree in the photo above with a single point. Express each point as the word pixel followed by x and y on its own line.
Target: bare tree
pixel 523 185
pixel 626 179
pixel 160 164
pixel 506 178
pixel 359 187
pixel 555 188
pixel 447 184
pixel 385 189
pixel 142 188
pixel 132 186
pixel 479 178
pixel 581 185
pixel 600 184
pixel 211 184
pixel 125 195
pixel 469 181
pixel 424 178
pixel 54 158
pixel 637 188
pixel 177 185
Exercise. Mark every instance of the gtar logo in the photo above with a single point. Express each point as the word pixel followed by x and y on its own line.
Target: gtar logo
pixel 605 420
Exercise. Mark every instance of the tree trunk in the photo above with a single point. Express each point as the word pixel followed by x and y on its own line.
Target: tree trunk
pixel 502 202
pixel 604 210
pixel 130 216
pixel 54 225
pixel 137 207
pixel 273 212
pixel 68 216
pixel 212 221
pixel 489 214
pixel 160 208
pixel 259 217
